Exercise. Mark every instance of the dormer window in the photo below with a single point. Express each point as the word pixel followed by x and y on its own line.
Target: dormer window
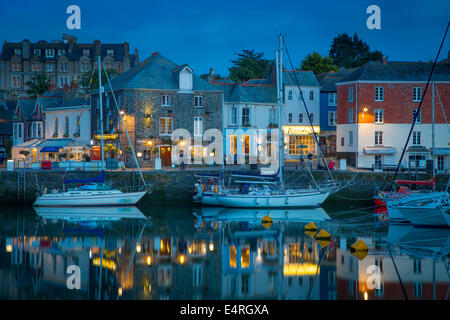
pixel 61 52
pixel 186 79
pixel 86 52
pixel 18 52
pixel 37 52
pixel 49 53
pixel 110 52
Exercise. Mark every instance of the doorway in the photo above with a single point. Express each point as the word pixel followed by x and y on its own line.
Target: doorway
pixel 165 153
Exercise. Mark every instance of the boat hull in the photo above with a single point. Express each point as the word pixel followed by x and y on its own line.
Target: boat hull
pixel 307 199
pixel 89 199
pixel 210 199
pixel 431 217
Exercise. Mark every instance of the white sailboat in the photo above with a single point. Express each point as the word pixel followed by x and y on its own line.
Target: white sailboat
pixel 425 211
pixel 93 191
pixel 267 196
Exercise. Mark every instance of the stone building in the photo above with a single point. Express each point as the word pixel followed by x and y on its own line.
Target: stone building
pixel 155 98
pixel 64 62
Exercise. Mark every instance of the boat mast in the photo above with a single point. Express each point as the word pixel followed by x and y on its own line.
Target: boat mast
pixel 99 68
pixel 279 68
pixel 432 129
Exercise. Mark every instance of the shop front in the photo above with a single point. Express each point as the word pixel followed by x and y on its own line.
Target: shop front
pixel 299 140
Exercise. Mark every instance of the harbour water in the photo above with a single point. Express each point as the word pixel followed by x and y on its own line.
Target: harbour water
pixel 171 252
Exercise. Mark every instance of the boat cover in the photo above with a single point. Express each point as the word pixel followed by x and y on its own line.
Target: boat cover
pixel 100 178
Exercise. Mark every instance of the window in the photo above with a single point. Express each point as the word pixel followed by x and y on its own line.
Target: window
pixel 49 67
pixel 18 52
pixel 166 100
pixel 301 145
pixel 63 81
pixel 233 144
pixel 78 124
pixel 37 52
pixel 331 118
pixel 417 289
pixel 379 94
pixel 197 275
pixel 332 99
pixel 419 116
pixel 66 126
pixel 350 115
pixel 273 115
pixel 350 138
pixel 198 126
pixel 311 95
pixel 165 276
pixel 165 126
pixel 233 116
pixel 350 94
pixel 378 116
pixel 379 264
pixel 61 52
pixel 417 94
pixel 290 95
pixel 290 117
pixel 63 67
pixel 49 53
pixel 378 137
pixel 417 160
pixel 18 130
pixel 440 164
pixel 342 141
pixel 416 138
pixel 300 117
pixel 36 130
pixel 378 164
pixel 86 52
pixel 417 266
pixel 246 116
pixel 110 52
pixel 56 128
pixel 16 82
pixel 198 101
pixel 246 144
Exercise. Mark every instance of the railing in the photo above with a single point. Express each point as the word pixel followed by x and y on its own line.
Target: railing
pixel 67 165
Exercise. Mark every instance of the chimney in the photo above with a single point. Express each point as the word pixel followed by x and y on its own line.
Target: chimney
pixel 97 48
pixel 26 49
pixel 136 55
pixel 126 47
pixel 71 40
pixel 211 75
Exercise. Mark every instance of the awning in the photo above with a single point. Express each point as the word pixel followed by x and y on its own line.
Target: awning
pixel 441 151
pixel 379 150
pixel 419 149
pixel 50 149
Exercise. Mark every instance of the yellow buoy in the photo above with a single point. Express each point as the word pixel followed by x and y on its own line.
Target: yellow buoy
pixel 311 233
pixel 359 249
pixel 267 218
pixel 267 225
pixel 311 227
pixel 323 235
pixel 323 243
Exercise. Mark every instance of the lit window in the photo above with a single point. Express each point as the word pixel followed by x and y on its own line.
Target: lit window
pixel 165 126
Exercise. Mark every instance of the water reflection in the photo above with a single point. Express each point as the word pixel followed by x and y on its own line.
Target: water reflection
pixel 216 253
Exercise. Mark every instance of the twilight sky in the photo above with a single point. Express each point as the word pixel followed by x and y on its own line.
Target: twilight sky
pixel 207 33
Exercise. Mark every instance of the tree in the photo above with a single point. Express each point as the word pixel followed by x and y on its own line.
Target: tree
pixel 38 84
pixel 350 52
pixel 90 80
pixel 318 64
pixel 248 65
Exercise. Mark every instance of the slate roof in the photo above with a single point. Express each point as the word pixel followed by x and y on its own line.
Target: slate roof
pixel 399 71
pixel 119 50
pixel 60 99
pixel 6 113
pixel 156 72
pixel 328 80
pixel 26 106
pixel 305 78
